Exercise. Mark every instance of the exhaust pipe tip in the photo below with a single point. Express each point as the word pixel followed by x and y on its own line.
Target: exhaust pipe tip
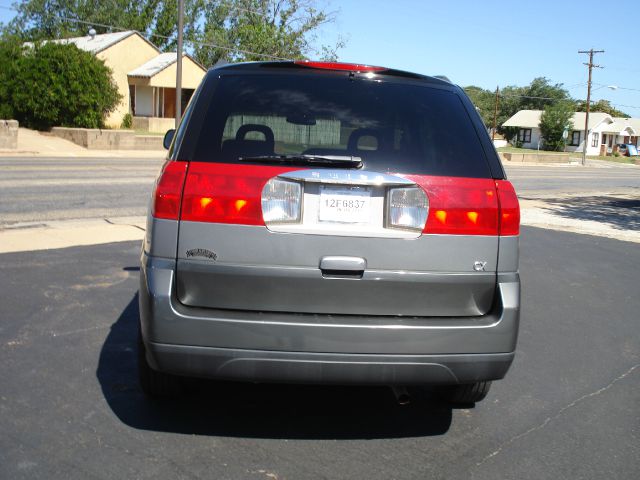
pixel 401 394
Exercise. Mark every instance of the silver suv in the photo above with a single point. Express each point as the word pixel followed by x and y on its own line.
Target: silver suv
pixel 330 223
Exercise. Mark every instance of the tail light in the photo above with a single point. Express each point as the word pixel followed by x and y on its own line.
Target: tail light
pixel 509 208
pixel 281 201
pixel 223 193
pixel 168 190
pixel 470 206
pixel 407 208
pixel 351 67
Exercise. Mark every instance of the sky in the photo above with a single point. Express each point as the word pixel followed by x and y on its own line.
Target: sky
pixel 493 43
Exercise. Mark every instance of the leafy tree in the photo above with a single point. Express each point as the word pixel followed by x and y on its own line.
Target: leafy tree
pixel 484 101
pixel 539 94
pixel 554 121
pixel 249 30
pixel 215 30
pixel 156 19
pixel 53 84
pixel 601 106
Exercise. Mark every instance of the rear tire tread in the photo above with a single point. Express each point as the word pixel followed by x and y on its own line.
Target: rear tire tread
pixel 468 393
pixel 152 382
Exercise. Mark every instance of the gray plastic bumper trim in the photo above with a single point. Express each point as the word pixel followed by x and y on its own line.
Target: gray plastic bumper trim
pixel 296 367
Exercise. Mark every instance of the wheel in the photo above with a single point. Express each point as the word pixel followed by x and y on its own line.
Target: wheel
pixel 467 393
pixel 152 382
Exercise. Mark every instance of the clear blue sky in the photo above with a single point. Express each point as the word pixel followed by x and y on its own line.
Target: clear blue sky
pixel 493 42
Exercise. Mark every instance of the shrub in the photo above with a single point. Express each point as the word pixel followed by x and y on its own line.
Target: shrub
pixel 54 84
pixel 127 121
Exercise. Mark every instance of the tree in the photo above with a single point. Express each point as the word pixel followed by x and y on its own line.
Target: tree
pixel 250 30
pixel 484 101
pixel 52 84
pixel 601 106
pixel 156 19
pixel 229 30
pixel 554 122
pixel 535 96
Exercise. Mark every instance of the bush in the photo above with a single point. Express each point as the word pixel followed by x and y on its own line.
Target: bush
pixel 127 121
pixel 554 121
pixel 53 84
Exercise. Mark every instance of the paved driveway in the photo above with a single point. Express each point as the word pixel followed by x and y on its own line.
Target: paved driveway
pixel 70 406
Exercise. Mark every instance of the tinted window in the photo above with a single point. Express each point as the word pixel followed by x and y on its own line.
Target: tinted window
pixel 393 127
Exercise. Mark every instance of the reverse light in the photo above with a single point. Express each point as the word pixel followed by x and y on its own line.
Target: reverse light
pixel 281 201
pixel 407 208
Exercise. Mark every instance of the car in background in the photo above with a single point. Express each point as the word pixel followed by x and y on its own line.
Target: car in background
pixel 628 150
pixel 330 223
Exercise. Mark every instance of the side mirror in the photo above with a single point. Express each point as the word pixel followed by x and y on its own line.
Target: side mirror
pixel 168 138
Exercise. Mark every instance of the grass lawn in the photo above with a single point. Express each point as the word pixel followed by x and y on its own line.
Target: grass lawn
pixel 144 132
pixel 613 159
pixel 528 150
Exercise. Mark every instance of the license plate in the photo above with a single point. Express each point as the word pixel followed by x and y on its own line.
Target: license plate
pixel 345 204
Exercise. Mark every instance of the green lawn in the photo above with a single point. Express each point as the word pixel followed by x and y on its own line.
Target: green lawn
pixel 527 150
pixel 612 159
pixel 144 132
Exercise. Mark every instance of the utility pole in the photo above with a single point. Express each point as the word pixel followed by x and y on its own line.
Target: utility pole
pixel 495 115
pixel 586 118
pixel 179 63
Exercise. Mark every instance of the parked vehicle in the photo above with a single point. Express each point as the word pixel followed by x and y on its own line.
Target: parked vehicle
pixel 330 223
pixel 628 150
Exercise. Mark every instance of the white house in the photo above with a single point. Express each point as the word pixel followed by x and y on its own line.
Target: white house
pixel 605 131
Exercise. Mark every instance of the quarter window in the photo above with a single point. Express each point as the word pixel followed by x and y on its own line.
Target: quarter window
pixel 524 135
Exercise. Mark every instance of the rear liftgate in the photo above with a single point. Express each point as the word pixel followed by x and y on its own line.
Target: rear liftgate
pixel 335 241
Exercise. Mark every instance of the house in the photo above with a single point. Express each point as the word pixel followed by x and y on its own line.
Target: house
pixel 145 77
pixel 605 131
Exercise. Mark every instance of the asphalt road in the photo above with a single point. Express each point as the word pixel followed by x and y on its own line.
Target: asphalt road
pixel 46 189
pixel 70 406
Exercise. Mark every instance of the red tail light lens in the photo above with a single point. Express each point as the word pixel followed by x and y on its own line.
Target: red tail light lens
pixel 224 193
pixel 509 208
pixel 460 206
pixel 351 67
pixel 168 190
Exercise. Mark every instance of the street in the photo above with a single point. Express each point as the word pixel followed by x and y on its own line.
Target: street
pixel 49 189
pixel 71 407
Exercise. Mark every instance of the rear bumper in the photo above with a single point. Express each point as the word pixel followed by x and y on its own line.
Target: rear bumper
pixel 303 348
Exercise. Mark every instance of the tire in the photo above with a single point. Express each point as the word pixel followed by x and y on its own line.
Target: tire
pixel 152 382
pixel 467 393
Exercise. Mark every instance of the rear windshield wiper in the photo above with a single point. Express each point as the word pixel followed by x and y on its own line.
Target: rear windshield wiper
pixel 345 161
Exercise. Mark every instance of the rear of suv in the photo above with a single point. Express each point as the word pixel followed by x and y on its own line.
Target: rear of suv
pixel 330 223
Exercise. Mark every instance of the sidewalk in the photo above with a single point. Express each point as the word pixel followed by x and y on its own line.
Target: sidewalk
pixel 69 233
pixel 32 143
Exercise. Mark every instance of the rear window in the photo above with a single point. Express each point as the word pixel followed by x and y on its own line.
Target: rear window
pixel 392 127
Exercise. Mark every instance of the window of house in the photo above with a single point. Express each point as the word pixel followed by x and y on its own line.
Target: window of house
pixel 595 140
pixel 604 139
pixel 524 135
pixel 575 138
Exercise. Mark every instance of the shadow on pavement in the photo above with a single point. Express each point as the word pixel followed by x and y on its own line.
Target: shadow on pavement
pixel 621 213
pixel 260 411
